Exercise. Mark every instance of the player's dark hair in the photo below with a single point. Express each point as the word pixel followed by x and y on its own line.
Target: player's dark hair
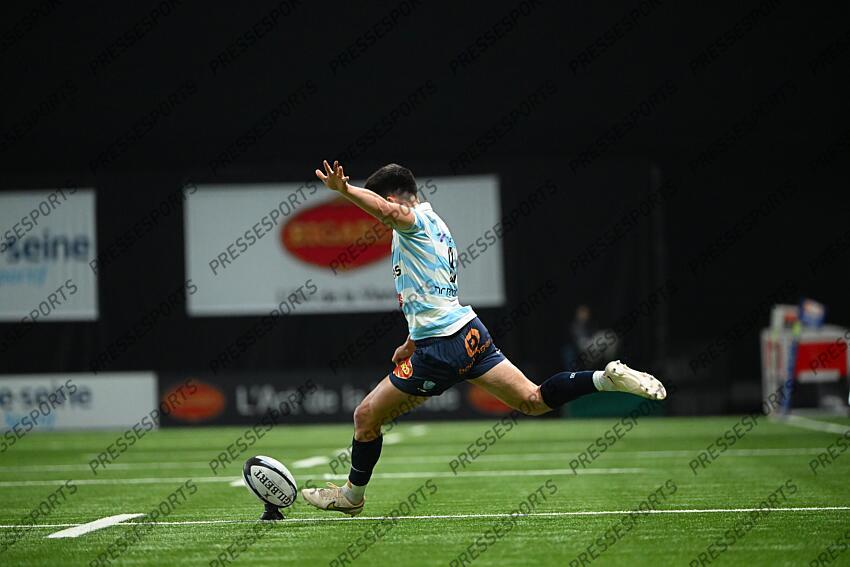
pixel 393 179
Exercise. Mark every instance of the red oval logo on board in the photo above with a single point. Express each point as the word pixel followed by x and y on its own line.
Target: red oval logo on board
pixel 205 404
pixel 485 402
pixel 336 235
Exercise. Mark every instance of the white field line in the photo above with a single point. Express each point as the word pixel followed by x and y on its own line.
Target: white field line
pixel 517 515
pixel 233 480
pixel 445 474
pixel 317 461
pixel 813 424
pixel 518 457
pixel 320 460
pixel 114 466
pixel 419 430
pixel 37 526
pixel 113 481
pixel 774 452
pixel 467 516
pixel 392 438
pixel 83 529
pixel 141 452
pixel 310 462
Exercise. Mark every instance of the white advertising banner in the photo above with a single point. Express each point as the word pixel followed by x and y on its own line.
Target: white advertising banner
pixel 300 248
pixel 47 239
pixel 34 402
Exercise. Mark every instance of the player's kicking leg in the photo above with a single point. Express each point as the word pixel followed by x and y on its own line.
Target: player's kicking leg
pixel 509 384
pixel 438 364
pixel 382 405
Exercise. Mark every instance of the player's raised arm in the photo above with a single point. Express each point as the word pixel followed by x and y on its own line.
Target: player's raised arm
pixel 393 214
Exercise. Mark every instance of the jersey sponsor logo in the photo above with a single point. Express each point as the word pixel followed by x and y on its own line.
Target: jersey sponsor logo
pixel 404 369
pixel 336 232
pixel 474 347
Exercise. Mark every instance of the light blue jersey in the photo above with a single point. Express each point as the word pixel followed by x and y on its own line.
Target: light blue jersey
pixel 425 272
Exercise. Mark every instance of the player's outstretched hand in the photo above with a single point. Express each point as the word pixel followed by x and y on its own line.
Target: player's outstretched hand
pixel 404 351
pixel 333 177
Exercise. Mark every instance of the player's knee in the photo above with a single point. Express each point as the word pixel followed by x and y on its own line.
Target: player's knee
pixel 366 427
pixel 533 404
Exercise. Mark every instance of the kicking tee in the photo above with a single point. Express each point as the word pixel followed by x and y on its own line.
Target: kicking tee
pixel 425 272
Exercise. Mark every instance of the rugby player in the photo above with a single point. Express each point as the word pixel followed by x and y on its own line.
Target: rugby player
pixel 447 343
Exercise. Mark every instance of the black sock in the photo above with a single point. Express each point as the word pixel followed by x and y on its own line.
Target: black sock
pixel 567 386
pixel 364 457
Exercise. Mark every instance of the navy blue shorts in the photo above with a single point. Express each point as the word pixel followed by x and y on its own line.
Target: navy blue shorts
pixel 441 362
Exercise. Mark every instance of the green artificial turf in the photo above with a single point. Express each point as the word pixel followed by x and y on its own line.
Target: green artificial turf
pixel 533 458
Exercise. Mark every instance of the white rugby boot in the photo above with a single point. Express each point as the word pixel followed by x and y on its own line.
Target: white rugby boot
pixel 332 498
pixel 621 378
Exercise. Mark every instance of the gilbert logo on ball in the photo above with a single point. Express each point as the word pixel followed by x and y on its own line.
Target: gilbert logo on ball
pixel 270 481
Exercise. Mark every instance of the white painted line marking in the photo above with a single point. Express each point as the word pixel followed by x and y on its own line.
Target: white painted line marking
pixel 392 438
pixel 310 462
pixel 113 481
pixel 114 466
pixel 775 452
pixel 319 460
pixel 466 516
pixel 487 457
pixel 533 472
pixel 238 482
pixel 562 514
pixel 412 474
pixel 38 526
pixel 563 457
pixel 813 424
pixel 505 515
pixel 419 430
pixel 83 529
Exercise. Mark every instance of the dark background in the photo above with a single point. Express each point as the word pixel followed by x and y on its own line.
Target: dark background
pixel 767 109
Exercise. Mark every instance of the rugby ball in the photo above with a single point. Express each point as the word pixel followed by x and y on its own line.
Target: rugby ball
pixel 270 481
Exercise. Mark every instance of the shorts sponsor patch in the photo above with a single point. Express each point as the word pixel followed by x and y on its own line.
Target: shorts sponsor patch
pixel 471 341
pixel 404 369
